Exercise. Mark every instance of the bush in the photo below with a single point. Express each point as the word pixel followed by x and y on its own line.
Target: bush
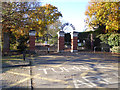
pixel 22 43
pixel 112 39
pixel 115 49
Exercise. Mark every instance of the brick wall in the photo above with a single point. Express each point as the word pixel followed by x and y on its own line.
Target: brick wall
pixel 32 43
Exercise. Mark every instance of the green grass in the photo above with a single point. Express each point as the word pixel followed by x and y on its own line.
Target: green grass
pixel 19 57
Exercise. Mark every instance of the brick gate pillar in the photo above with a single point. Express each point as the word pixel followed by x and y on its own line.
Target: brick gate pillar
pixel 74 44
pixel 32 40
pixel 60 41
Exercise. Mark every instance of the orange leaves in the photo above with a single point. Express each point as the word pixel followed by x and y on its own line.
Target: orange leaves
pixel 23 16
pixel 89 7
pixel 110 17
pixel 86 12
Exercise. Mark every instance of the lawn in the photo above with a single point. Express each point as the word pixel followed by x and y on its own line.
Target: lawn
pixel 13 60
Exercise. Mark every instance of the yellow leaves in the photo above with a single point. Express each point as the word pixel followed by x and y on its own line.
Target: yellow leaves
pixel 105 13
pixel 39 34
pixel 44 16
pixel 12 30
pixel 107 27
pixel 40 21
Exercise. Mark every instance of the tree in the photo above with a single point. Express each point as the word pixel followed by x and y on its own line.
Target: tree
pixel 54 28
pixel 104 13
pixel 20 17
pixel 14 21
pixel 44 16
pixel 13 16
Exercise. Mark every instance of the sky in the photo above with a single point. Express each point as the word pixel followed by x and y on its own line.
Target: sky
pixel 72 11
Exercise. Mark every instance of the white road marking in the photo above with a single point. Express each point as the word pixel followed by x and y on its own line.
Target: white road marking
pixel 89 81
pixel 63 69
pixel 78 83
pixel 45 70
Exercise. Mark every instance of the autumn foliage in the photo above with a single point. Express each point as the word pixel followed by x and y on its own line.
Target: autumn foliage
pixel 20 17
pixel 42 17
pixel 104 13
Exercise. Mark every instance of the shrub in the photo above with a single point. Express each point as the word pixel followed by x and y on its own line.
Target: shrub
pixel 112 39
pixel 22 43
pixel 115 49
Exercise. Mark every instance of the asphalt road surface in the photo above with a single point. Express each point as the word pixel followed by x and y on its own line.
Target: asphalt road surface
pixel 65 70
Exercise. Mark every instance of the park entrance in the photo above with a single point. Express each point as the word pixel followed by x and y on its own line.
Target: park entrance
pixel 67 41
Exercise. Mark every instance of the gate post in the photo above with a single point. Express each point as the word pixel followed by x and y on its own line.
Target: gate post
pixel 74 44
pixel 60 41
pixel 32 40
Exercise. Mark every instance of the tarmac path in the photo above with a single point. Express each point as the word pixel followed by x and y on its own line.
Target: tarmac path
pixel 65 70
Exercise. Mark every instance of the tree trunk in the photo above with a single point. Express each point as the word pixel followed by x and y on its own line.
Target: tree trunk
pixel 6 42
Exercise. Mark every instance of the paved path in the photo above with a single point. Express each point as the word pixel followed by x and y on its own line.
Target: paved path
pixel 65 70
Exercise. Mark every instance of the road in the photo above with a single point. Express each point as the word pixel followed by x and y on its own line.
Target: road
pixel 65 70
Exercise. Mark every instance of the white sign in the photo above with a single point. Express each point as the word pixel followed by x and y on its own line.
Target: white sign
pixel 79 44
pixel 32 34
